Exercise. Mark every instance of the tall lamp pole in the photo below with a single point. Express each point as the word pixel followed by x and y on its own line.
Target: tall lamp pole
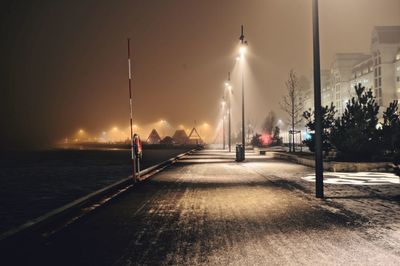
pixel 242 52
pixel 319 175
pixel 229 112
pixel 223 123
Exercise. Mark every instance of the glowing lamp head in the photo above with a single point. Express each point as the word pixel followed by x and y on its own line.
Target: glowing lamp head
pixel 237 58
pixel 242 50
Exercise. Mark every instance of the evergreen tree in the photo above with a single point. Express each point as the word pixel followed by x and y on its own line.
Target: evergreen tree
pixel 328 120
pixel 355 134
pixel 391 129
pixel 256 140
pixel 276 138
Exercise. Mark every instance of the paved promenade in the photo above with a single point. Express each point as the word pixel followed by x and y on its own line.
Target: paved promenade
pixel 209 210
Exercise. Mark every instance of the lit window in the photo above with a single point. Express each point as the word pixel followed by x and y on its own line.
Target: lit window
pixel 398 57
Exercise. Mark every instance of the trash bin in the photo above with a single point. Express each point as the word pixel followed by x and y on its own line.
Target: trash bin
pixel 239 152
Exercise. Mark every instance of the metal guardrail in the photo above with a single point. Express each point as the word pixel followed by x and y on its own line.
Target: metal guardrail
pixel 74 210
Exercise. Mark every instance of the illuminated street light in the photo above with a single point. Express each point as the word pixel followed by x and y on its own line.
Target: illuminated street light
pixel 223 103
pixel 242 50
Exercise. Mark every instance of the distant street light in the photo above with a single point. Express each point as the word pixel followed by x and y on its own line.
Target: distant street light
pixel 242 51
pixel 319 170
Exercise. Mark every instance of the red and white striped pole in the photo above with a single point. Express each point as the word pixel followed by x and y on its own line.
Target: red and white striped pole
pixel 131 109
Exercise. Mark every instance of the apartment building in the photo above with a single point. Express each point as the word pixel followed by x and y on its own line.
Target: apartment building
pixel 378 71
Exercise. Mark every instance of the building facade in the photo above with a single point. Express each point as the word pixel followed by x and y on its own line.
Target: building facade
pixel 378 71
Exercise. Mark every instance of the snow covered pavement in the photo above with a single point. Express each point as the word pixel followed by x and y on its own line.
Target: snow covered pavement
pixel 209 210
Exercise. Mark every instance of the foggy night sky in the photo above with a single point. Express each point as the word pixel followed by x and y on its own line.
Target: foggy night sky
pixel 64 63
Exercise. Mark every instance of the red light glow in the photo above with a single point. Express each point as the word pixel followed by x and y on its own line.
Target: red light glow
pixel 266 139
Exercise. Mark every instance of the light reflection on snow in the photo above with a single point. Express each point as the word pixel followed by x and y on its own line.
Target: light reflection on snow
pixel 360 178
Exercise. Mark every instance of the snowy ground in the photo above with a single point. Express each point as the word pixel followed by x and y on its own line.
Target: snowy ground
pixel 209 210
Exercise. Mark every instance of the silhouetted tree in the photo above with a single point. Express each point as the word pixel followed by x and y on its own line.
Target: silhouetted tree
pixel 328 121
pixel 269 122
pixel 256 140
pixel 391 129
pixel 293 104
pixel 276 138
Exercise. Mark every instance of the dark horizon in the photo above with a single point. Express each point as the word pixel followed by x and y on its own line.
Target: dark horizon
pixel 65 65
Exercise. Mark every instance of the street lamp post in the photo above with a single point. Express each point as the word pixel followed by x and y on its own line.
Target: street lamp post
pixel 242 51
pixel 223 123
pixel 229 112
pixel 319 175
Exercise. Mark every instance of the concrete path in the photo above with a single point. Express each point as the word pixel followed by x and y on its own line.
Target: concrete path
pixel 209 210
